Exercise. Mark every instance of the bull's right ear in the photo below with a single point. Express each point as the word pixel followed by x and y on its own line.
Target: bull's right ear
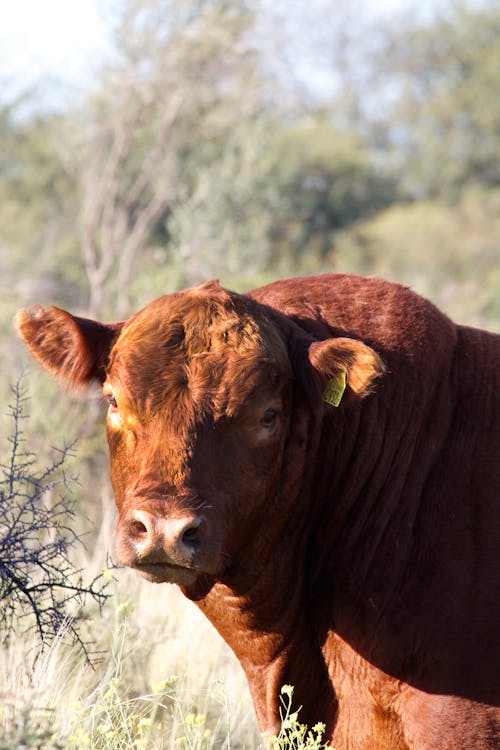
pixel 72 349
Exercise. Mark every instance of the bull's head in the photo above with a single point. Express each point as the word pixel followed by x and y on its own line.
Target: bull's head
pixel 208 393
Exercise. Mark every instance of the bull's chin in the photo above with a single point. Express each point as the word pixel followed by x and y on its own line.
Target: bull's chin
pixel 193 583
pixel 167 573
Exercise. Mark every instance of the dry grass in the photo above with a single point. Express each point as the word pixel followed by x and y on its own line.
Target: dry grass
pixel 162 678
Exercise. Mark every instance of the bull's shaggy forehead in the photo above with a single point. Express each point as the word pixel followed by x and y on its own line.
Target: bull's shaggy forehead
pixel 204 347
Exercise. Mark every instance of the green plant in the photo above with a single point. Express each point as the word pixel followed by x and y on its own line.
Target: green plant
pixel 293 735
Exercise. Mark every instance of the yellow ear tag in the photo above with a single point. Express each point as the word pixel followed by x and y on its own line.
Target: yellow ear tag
pixel 335 389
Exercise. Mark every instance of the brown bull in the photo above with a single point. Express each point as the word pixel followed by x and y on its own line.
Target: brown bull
pixel 342 541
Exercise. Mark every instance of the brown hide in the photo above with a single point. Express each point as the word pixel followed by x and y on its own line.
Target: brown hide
pixel 350 551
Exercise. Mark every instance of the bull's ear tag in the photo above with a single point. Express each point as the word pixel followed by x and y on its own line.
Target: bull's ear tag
pixel 335 389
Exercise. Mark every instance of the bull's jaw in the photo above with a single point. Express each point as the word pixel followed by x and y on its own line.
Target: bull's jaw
pixel 200 588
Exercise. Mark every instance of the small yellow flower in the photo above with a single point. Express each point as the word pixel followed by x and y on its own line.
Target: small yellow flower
pixel 319 728
pixel 82 738
pixel 124 610
pixel 159 687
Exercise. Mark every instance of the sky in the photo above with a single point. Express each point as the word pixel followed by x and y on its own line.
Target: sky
pixel 65 39
pixel 50 38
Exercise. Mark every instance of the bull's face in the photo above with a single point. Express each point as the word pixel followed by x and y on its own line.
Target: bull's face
pixel 198 405
pixel 201 387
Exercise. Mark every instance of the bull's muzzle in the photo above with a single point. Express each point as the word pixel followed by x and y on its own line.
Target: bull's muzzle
pixel 161 547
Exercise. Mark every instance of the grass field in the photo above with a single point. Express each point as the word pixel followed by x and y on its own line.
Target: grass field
pixel 160 678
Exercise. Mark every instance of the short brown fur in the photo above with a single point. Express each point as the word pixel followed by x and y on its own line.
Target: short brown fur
pixel 350 551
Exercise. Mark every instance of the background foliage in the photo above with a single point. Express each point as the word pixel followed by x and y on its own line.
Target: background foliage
pixel 193 154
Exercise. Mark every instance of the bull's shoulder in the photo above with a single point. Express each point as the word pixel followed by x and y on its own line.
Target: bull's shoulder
pixel 428 357
pixel 386 314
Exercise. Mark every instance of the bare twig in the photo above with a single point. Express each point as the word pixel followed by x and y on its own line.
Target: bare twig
pixel 39 585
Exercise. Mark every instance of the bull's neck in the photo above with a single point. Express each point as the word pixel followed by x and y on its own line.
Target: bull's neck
pixel 261 612
pixel 373 464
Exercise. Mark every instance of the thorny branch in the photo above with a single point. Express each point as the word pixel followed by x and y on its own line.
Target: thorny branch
pixel 39 585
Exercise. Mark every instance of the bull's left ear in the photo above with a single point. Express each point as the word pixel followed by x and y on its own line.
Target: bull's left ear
pixel 346 368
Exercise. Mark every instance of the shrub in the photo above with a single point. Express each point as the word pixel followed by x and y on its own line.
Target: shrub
pixel 39 585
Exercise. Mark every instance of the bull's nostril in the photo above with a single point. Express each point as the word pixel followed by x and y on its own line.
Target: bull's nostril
pixel 190 537
pixel 137 528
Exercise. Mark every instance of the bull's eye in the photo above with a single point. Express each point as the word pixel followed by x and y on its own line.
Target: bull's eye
pixel 269 418
pixel 112 401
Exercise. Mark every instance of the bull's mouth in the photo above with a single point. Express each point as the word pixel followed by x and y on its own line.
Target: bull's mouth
pixel 193 583
pixel 167 573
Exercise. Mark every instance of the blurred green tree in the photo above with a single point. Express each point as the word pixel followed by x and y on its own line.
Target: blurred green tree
pixel 159 142
pixel 433 101
pixel 189 159
pixel 324 179
pixel 448 253
pixel 37 208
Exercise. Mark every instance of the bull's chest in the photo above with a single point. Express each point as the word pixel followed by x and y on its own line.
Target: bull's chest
pixel 368 716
